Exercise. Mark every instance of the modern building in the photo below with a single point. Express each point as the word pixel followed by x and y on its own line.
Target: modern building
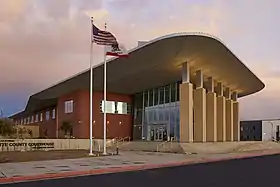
pixel 260 130
pixel 183 87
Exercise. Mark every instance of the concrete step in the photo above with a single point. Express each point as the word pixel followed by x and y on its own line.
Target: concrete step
pixel 194 148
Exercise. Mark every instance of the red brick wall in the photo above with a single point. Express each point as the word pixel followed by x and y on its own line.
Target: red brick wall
pixel 49 125
pixel 71 117
pixel 118 125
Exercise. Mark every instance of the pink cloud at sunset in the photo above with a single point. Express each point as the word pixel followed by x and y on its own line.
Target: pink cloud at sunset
pixel 45 41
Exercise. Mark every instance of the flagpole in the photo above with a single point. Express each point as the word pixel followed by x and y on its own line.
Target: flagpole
pixel 105 101
pixel 91 92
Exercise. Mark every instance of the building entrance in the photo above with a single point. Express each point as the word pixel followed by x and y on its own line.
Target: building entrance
pixel 157 132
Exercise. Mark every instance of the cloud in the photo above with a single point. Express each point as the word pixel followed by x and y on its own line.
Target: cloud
pixel 44 41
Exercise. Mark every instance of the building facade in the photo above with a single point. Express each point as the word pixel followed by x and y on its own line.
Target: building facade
pixel 74 108
pixel 260 130
pixel 163 91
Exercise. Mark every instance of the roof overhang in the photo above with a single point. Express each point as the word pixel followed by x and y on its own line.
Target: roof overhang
pixel 158 63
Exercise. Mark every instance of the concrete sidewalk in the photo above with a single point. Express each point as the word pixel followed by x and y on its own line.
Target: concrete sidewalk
pixel 126 161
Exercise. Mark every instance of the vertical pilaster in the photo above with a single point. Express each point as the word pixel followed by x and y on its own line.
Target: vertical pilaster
pixel 211 112
pixel 199 109
pixel 229 115
pixel 236 119
pixel 221 114
pixel 186 106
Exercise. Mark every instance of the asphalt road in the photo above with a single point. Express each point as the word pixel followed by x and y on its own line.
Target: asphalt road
pixel 258 171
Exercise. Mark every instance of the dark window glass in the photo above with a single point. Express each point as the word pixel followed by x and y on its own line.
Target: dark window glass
pixel 177 91
pixel 173 93
pixel 151 98
pixel 156 96
pixel 167 94
pixel 161 95
pixel 138 101
pixel 146 98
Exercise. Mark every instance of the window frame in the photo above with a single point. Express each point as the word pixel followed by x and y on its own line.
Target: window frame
pixel 53 113
pixel 47 117
pixel 36 118
pixel 68 106
pixel 41 117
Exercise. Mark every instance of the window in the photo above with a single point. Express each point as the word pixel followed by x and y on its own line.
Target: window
pixel 32 119
pixel 151 97
pixel 41 117
pixel 138 101
pixel 24 121
pixel 47 115
pixel 36 118
pixel 110 107
pixel 28 120
pixel 166 95
pixel 115 107
pixel 21 122
pixel 173 93
pixel 68 106
pixel 177 91
pixel 146 96
pixel 156 96
pixel 53 113
pixel 161 95
pixel 122 108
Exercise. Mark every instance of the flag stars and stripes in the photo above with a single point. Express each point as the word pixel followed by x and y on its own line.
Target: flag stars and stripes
pixel 106 38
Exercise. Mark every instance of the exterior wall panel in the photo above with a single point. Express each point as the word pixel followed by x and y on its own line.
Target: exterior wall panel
pixel 119 125
pixel 269 128
pixel 251 130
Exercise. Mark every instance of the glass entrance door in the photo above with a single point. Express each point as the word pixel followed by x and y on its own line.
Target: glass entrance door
pixel 157 132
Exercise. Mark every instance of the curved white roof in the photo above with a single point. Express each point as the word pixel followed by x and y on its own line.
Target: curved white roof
pixel 158 62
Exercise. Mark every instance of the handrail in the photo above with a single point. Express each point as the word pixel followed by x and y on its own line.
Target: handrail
pixel 164 143
pixel 122 140
pixel 161 145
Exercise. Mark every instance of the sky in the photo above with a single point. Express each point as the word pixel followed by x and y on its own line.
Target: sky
pixel 45 41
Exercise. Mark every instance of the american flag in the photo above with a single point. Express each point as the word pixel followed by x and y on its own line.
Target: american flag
pixel 103 37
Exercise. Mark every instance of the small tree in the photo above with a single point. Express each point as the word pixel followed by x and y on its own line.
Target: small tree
pixel 21 131
pixel 7 127
pixel 66 127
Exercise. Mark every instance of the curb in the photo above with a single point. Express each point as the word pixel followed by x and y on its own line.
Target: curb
pixel 127 168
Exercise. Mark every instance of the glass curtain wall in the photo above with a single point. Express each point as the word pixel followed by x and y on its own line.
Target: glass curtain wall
pixel 156 113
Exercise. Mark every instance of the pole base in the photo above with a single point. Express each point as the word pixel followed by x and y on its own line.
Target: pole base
pixel 90 154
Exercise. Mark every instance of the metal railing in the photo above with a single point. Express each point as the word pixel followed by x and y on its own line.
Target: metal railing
pixel 121 141
pixel 163 144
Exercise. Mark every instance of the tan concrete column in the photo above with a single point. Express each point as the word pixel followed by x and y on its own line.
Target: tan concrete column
pixel 229 116
pixel 186 106
pixel 211 112
pixel 236 119
pixel 186 112
pixel 221 114
pixel 199 110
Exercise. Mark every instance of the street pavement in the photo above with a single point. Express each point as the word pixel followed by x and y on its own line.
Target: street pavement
pixel 125 159
pixel 256 171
